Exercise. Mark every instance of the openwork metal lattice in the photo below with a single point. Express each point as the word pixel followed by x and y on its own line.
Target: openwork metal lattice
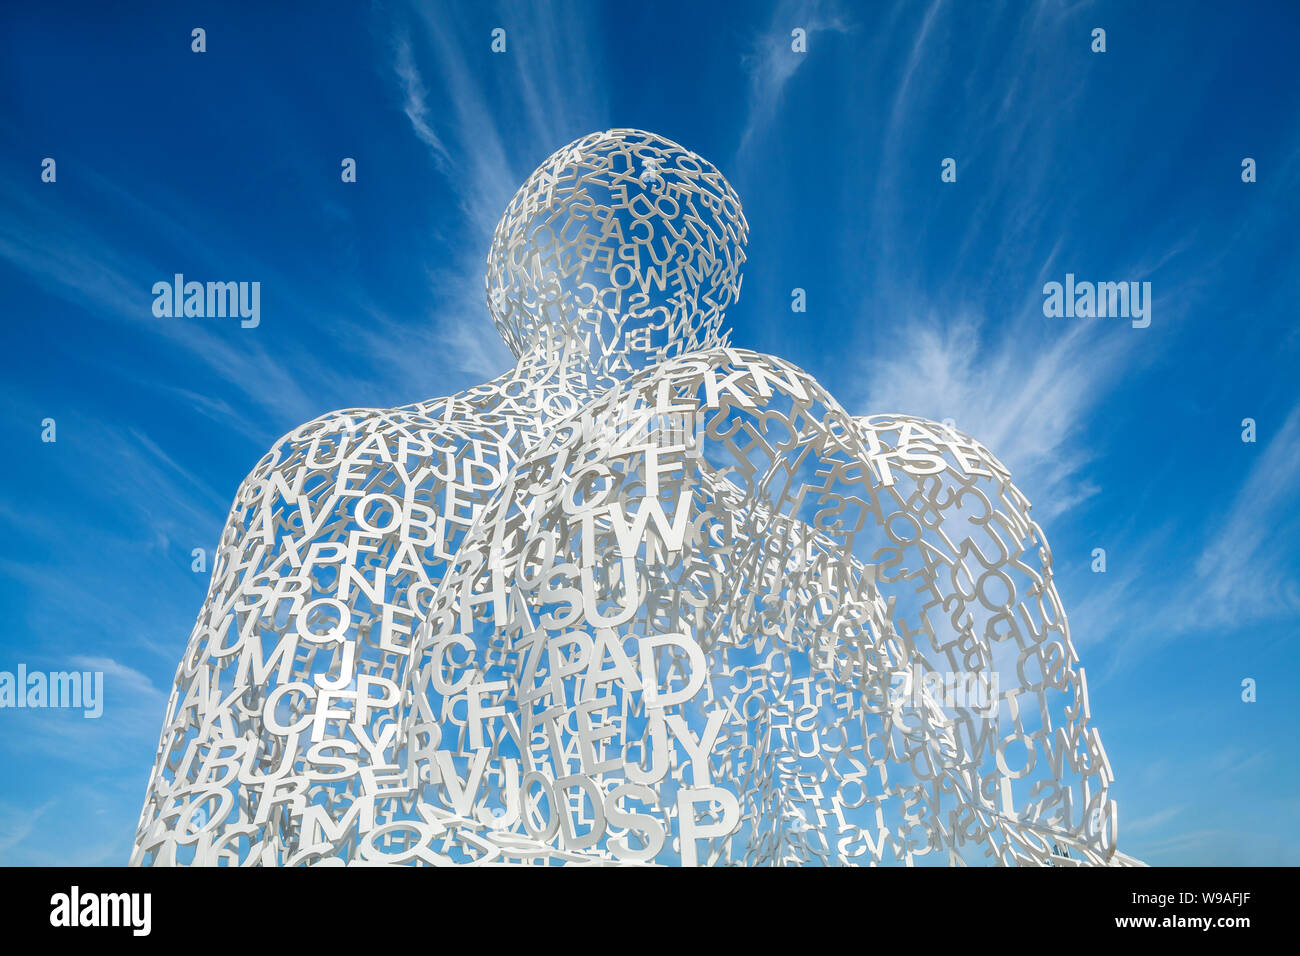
pixel 644 598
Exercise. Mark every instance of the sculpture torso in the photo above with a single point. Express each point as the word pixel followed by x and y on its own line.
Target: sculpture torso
pixel 645 599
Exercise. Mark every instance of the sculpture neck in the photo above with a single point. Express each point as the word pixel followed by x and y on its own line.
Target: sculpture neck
pixel 566 363
pixel 577 360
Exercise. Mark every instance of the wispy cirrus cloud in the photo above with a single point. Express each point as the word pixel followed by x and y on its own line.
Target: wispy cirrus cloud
pixel 552 68
pixel 772 62
pixel 414 105
pixel 77 261
pixel 1243 569
pixel 17 824
pixel 1029 406
pixel 1242 573
pixel 1152 821
pixel 133 501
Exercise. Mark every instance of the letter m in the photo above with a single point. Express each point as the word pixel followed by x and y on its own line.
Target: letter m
pixel 118 904
pixel 319 827
pixel 1112 297
pixel 65 689
pixel 221 299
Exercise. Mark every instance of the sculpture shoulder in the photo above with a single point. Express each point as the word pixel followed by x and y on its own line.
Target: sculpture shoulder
pixel 894 444
pixel 396 439
pixel 746 378
pixel 772 412
pixel 729 381
pixel 390 431
pixel 316 474
pixel 911 447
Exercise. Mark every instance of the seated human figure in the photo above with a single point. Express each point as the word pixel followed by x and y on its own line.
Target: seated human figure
pixel 645 598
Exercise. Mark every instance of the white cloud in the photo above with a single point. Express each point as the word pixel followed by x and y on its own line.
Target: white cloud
pixel 16 825
pixel 1241 570
pixel 417 111
pixel 1027 401
pixel 553 68
pixel 1152 822
pixel 125 678
pixel 772 63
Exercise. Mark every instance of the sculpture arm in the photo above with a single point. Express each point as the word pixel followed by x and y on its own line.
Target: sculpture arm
pixel 294 613
pixel 976 597
pixel 772 546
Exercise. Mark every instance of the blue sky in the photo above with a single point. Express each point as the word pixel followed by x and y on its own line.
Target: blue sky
pixel 923 297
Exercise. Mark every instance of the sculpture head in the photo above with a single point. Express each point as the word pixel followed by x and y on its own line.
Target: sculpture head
pixel 624 247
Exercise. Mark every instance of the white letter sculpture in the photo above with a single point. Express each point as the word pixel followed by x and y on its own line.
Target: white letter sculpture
pixel 646 598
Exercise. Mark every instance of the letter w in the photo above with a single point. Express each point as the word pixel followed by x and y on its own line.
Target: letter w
pixel 672 535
